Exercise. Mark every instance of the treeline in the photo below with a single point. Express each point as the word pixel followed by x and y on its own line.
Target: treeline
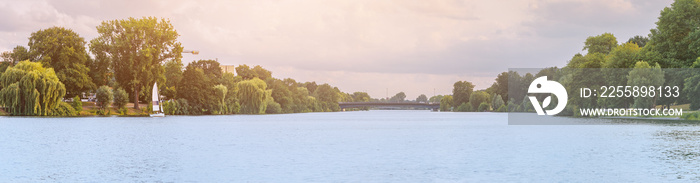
pixel 640 61
pixel 465 99
pixel 129 56
pixel 202 88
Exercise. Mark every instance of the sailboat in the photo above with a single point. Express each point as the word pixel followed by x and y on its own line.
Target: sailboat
pixel 156 102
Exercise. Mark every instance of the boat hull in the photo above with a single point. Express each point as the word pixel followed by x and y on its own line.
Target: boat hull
pixel 158 115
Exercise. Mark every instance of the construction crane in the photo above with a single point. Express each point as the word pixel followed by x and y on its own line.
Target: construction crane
pixel 193 52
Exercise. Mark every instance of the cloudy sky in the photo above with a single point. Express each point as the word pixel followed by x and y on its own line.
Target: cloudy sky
pixel 415 46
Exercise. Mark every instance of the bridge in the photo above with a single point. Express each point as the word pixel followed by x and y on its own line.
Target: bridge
pixel 432 106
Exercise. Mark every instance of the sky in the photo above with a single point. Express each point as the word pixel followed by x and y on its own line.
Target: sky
pixel 373 46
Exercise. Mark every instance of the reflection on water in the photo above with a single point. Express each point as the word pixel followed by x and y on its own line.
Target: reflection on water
pixel 375 146
pixel 680 150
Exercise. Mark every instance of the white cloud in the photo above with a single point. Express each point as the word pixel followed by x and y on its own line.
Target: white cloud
pixel 360 44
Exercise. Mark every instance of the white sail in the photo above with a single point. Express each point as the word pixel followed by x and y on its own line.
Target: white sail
pixel 156 102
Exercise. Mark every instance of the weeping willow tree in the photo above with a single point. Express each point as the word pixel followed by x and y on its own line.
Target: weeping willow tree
pixel 220 91
pixel 30 89
pixel 252 95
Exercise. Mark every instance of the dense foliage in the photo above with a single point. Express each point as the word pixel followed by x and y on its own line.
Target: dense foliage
pixel 104 97
pixel 30 89
pixel 63 50
pixel 136 49
pixel 120 98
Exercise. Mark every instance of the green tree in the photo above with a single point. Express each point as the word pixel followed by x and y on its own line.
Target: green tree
pixel 461 92
pixel 173 76
pixel 327 98
pixel 19 53
pixel 361 97
pixel 252 95
pixel 281 94
pixel 121 98
pixel 497 101
pixel 464 107
pixel 229 80
pixel 220 93
pixel 500 86
pixel 645 75
pixel 104 97
pixel 399 97
pixel 63 50
pixel 257 72
pixel 641 41
pixel 446 103
pixel 77 104
pixel 477 98
pixel 603 43
pixel 483 107
pixel 435 99
pixel 198 88
pixel 137 48
pixel 692 86
pixel 30 89
pixel 262 73
pixel 100 65
pixel 676 35
pixel 272 107
pixel 422 98
pixel 623 56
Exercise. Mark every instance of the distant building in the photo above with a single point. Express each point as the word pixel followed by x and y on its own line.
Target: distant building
pixel 228 68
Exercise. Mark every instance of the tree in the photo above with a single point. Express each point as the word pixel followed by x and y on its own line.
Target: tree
pixel 422 98
pixel 173 76
pixel 63 50
pixel 100 65
pixel 272 107
pixel 644 75
pixel 121 98
pixel 399 97
pixel 477 98
pixel 281 94
pixel 77 104
pixel 19 53
pixel 692 86
pixel 245 72
pixel 623 56
pixel 220 93
pixel 461 92
pixel 262 73
pixel 257 72
pixel 211 68
pixel 104 97
pixel 676 35
pixel 361 97
pixel 446 103
pixel 483 107
pixel 198 89
pixel 603 43
pixel 327 97
pixel 229 80
pixel 497 101
pixel 464 107
pixel 30 89
pixel 435 99
pixel 252 95
pixel 641 41
pixel 136 49
pixel 500 87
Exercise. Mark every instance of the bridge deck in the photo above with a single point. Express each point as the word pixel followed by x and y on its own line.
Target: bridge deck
pixel 388 104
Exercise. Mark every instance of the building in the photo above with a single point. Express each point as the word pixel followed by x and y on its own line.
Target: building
pixel 228 68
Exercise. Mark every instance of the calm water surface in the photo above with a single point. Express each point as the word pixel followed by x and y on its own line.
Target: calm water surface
pixel 367 146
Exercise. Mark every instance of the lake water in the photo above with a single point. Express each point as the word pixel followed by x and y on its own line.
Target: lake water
pixel 366 146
